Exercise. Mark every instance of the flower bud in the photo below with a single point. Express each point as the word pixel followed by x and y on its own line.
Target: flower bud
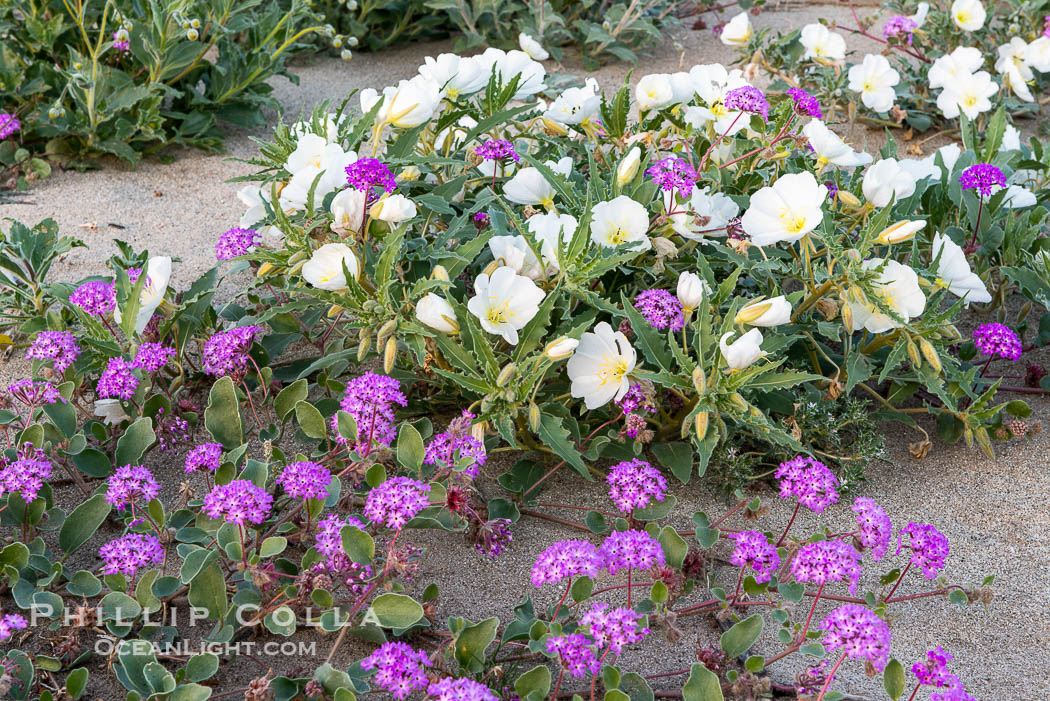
pixel 390 355
pixel 362 348
pixel 930 354
pixel 409 173
pixel 903 230
pixel 534 417
pixel 847 198
pixel 388 328
pixel 738 401
pixel 847 316
pixel 699 380
pixel 439 273
pixel 765 312
pixel 506 374
pixel 492 267
pixel 913 353
pixel 192 34
pixel 346 54
pixel 561 348
pixel 691 290
pixel 628 167
pixel 701 422
pixel 264 269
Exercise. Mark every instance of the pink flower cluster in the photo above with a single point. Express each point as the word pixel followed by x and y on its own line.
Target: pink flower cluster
pixel 810 480
pixel 396 501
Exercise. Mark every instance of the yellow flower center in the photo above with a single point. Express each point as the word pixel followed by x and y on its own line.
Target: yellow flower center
pixel 617 237
pixel 613 371
pixel 794 223
pixel 500 314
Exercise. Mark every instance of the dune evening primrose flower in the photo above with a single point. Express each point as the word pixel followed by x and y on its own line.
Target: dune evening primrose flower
pixel 970 94
pixel 810 481
pixel 117 380
pixel 528 186
pixel 504 302
pixel 968 15
pixel 129 484
pixel 929 547
pixel 874 79
pixel 742 352
pixel 785 211
pixel 26 474
pixel 34 393
pixel 151 357
pixel 998 340
pixel 737 32
pixel 747 98
pixel 396 501
pixel 10 622
pixel 827 561
pixel 399 669
pixel 130 553
pixel 437 313
pixel 565 559
pixel 983 177
pixel 600 367
pixel 874 529
pixel 9 124
pixel 673 174
pixel 95 297
pixel 766 313
pixel 822 44
pixel 830 149
pixel 634 484
pixel 631 549
pixel 898 286
pixel 954 273
pixel 754 550
pixel 370 400
pixel 60 347
pixel 226 353
pixel 856 632
pixel 461 689
pixel 236 242
pixel 328 265
pixel 661 309
pixel 305 480
pixel 206 456
pixel 614 628
pixel 886 182
pixel 238 502
pixel 456 75
pixel 620 221
pixel 805 104
pixel 367 173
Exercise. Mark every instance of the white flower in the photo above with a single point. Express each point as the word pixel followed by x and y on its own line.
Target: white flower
pixel 654 91
pixel 532 47
pixel 1018 197
pixel 920 169
pixel 314 154
pixel 348 211
pixel 600 366
pixel 968 15
pixel 328 124
pixel 921 12
pixel 619 221
pixel 561 348
pixel 830 148
pixel 1011 139
pixel 708 214
pixel 552 231
pixel 111 411
pixel 455 75
pixel 575 105
pixel 969 94
pixel 712 82
pixel 296 194
pixel 408 104
pixel 886 181
pixel 785 211
pixel 528 186
pixel 953 271
pixel 1012 64
pixel 393 209
pixel 308 151
pixel 504 302
pixel 509 64
pixel 742 352
pixel 821 43
pixel 691 290
pixel 949 155
pixel 514 252
pixel 765 312
pixel 901 231
pixel 737 31
pixel 437 313
pixel 1038 56
pixel 898 288
pixel 158 274
pixel 628 167
pixel 874 80
pixel 324 270
pixel 960 63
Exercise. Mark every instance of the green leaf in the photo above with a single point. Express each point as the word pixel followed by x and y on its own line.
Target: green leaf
pixel 357 545
pixel 410 450
pixel 280 621
pixel 288 397
pixel 534 684
pixel 201 667
pixel 675 547
pixel 222 418
pixel 76 682
pixel 676 457
pixel 274 545
pixel 702 685
pixel 993 135
pixel 396 610
pixel 208 591
pixel 893 678
pixel 472 641
pixel 134 443
pixel 556 437
pixel 81 525
pixel 739 639
pixel 310 420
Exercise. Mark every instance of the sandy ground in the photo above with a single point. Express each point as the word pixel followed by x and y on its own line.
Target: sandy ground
pixel 994 512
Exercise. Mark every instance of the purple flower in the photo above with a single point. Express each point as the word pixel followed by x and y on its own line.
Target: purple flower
pixel 399 669
pixel 329 539
pixel 462 689
pixel 481 220
pixel 396 501
pixel 130 483
pixel 493 537
pixel 673 174
pixel 370 399
pixel 661 309
pixel 120 40
pixel 929 547
pixel 306 480
pixel 827 561
pixel 934 672
pixel 151 357
pixel 235 242
pixel 26 474
pixel 805 104
pixel 954 691
pixel 635 398
pixel 564 560
pixel 60 347
pixel 455 444
pixel 95 297
pixel 498 150
pixel 34 393
pixel 172 431
pixel 983 177
pixel 11 622
pixel 632 549
pixel 226 353
pixel 747 98
pixel 754 549
pixel 366 173
pixel 206 456
pixel 238 502
pixel 873 526
pixel 810 480
pixel 899 27
pixel 130 553
pixel 1046 26
pixel 856 632
pixel 634 484
pixel 613 628
pixel 998 340
pixel 9 124
pixel 117 380
pixel 575 653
